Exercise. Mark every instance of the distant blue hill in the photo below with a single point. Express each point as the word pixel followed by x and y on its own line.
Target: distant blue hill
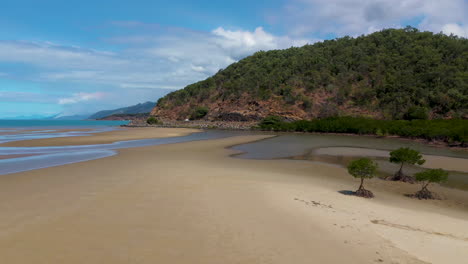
pixel 134 109
pixel 72 117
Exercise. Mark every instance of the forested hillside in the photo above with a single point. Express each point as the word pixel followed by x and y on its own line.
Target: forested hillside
pixel 391 74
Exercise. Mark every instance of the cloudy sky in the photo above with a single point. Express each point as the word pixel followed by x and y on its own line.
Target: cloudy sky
pixel 76 57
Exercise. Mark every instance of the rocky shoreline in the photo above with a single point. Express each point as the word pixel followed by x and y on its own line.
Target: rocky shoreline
pixel 199 125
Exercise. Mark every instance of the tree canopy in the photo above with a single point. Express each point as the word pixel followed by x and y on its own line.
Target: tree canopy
pixel 398 73
pixel 363 168
pixel 432 176
pixel 406 156
pixel 427 177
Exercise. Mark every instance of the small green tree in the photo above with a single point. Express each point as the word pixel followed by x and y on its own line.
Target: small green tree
pixel 404 156
pixel 427 177
pixel 199 112
pixel 270 121
pixel 152 120
pixel 363 168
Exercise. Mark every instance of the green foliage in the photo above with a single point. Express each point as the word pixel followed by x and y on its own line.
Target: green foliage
pixel 199 112
pixel 271 121
pixel 406 156
pixel 387 71
pixel 432 175
pixel 417 112
pixel 362 168
pixel 152 121
pixel 453 130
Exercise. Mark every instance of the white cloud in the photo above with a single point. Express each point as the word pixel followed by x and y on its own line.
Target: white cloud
pixel 171 60
pixel 241 43
pixel 47 55
pixel 354 17
pixel 151 61
pixel 455 29
pixel 81 97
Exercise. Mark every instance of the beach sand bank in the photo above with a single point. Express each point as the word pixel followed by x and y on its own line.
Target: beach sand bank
pixel 122 134
pixel 193 203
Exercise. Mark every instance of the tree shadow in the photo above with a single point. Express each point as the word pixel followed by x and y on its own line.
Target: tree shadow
pixel 347 192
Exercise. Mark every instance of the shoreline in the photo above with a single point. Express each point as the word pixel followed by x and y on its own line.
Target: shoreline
pixel 215 208
pixel 104 137
pixel 246 126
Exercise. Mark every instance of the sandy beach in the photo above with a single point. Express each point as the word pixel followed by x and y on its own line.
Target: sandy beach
pixel 122 134
pixel 194 203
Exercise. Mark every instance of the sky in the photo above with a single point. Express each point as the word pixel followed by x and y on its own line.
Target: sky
pixel 61 58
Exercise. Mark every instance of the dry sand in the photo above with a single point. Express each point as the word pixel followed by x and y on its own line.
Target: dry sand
pixel 192 203
pixel 104 137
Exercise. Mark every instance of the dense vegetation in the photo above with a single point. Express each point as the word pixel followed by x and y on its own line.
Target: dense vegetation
pixel 452 130
pixel 199 112
pixel 152 121
pixel 397 73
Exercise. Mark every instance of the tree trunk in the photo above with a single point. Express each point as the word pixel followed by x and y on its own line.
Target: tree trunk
pixel 424 188
pixel 424 193
pixel 400 171
pixel 362 184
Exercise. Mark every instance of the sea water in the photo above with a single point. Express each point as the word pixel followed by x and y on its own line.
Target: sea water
pixel 57 123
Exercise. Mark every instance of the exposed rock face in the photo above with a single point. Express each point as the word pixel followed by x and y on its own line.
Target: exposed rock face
pixel 246 109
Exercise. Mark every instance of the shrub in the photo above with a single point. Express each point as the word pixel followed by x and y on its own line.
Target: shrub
pixel 271 121
pixel 152 121
pixel 199 112
pixel 404 156
pixel 451 130
pixel 427 177
pixel 363 168
pixel 417 112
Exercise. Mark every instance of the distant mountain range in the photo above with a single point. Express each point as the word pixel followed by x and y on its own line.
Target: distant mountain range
pixel 134 109
pixel 72 117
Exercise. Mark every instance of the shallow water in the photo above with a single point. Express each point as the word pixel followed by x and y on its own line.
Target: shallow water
pixel 341 149
pixel 42 157
pixel 330 149
pixel 21 134
pixel 57 123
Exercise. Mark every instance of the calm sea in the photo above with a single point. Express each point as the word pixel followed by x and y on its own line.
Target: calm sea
pixel 58 123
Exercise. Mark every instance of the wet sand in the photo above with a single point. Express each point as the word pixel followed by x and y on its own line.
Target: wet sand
pixel 104 137
pixel 193 203
pixel 433 162
pixel 14 156
pixel 12 131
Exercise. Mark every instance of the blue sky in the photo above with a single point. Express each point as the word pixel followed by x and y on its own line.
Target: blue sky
pixel 78 57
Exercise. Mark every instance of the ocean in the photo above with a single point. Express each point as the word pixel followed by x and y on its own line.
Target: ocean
pixel 58 123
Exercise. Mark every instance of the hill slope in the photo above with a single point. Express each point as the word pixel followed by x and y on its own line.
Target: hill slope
pixel 134 109
pixel 391 74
